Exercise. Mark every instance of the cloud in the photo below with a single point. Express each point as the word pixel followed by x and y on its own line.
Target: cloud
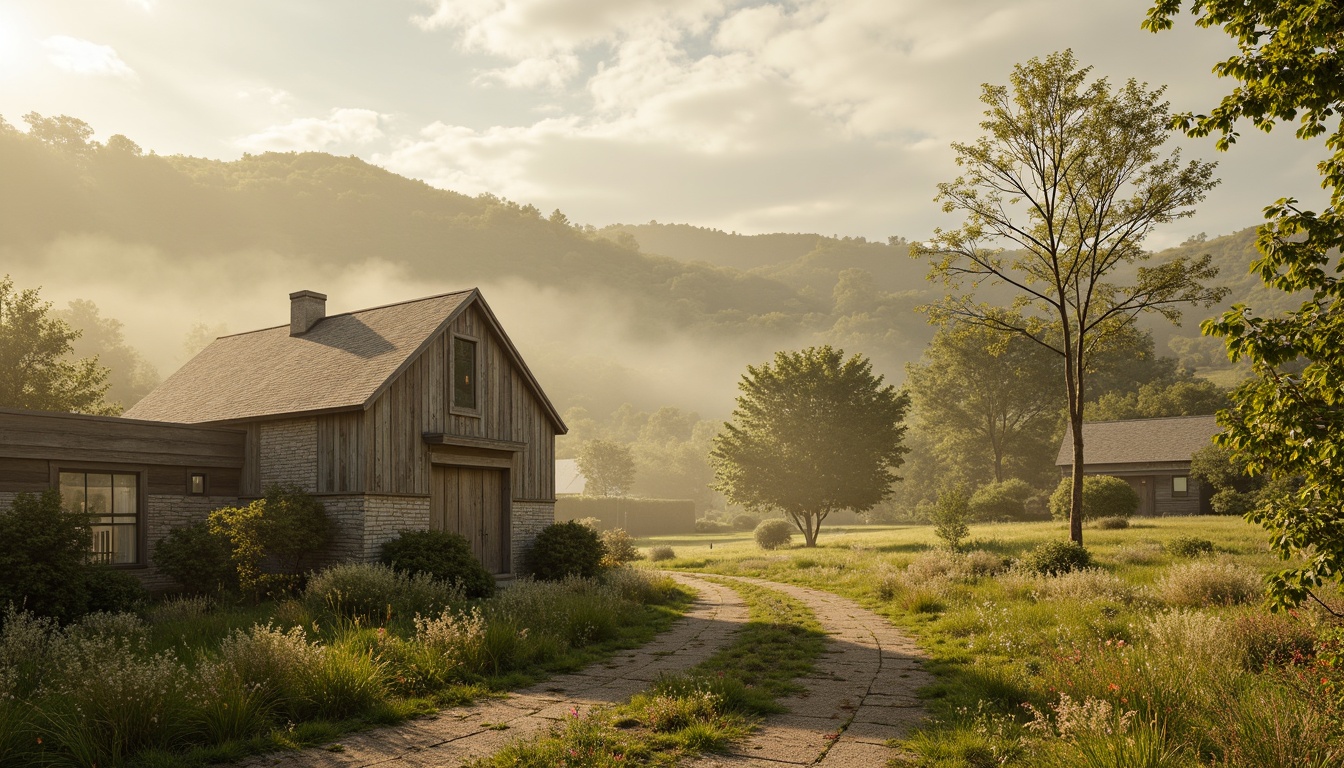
pixel 276 97
pixel 82 57
pixel 342 126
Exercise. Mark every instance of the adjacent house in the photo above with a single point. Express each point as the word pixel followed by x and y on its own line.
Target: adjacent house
pixel 413 415
pixel 1152 455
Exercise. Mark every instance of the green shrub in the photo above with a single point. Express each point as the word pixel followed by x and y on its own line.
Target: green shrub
pixel 1205 583
pixel 1232 502
pixel 373 593
pixel 745 522
pixel 1103 496
pixel 441 555
pixel 114 591
pixel 705 525
pixel 662 552
pixel 565 549
pixel 287 526
pixel 1056 557
pixel 1189 546
pixel 44 553
pixel 951 517
pixel 1111 523
pixel 1001 501
pixel 774 534
pixel 200 561
pixel 1274 639
pixel 620 548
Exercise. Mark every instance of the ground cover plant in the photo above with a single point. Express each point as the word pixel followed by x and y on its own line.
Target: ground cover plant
pixel 192 680
pixel 698 711
pixel 1142 657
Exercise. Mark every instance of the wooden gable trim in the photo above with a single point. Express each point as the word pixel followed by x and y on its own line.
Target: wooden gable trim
pixel 507 345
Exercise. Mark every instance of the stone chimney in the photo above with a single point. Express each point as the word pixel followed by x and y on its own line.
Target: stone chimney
pixel 306 308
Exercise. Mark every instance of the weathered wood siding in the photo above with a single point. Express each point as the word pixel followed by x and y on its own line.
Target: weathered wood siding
pixel 382 449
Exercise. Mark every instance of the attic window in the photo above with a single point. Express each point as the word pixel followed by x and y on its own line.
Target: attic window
pixel 464 374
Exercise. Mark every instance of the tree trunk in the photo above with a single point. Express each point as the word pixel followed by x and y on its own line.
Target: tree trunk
pixel 1074 379
pixel 810 529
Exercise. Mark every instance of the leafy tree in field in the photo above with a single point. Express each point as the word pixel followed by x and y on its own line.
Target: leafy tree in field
pixel 1186 397
pixel 978 394
pixel 35 370
pixel 1069 177
pixel 1288 422
pixel 812 433
pixel 608 468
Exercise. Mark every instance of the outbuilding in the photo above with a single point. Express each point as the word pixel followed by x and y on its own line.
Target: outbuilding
pixel 1152 455
pixel 413 415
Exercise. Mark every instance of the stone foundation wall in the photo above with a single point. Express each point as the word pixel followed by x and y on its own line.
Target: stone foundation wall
pixel 529 517
pixel 289 453
pixel 165 513
pixel 6 499
pixel 386 516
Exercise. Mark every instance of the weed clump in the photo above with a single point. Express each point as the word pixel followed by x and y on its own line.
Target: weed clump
pixel 1056 557
pixel 660 553
pixel 1111 523
pixel 1203 583
pixel 372 593
pixel 1189 546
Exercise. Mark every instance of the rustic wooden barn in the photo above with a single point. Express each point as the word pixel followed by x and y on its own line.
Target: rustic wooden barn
pixel 1152 455
pixel 413 415
pixel 410 415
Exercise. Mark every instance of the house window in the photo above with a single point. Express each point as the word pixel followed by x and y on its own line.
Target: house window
pixel 464 374
pixel 1180 485
pixel 113 501
pixel 197 485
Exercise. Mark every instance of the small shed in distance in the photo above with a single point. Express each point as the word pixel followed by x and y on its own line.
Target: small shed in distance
pixel 1152 455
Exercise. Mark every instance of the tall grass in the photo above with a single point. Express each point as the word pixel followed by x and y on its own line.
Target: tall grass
pixel 114 690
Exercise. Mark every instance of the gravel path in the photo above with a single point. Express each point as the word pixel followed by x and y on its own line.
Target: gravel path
pixel 859 695
pixel 464 733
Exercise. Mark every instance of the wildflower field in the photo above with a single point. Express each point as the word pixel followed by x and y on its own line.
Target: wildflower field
pixel 1157 653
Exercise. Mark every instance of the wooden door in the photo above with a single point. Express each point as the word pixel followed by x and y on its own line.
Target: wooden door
pixel 471 501
pixel 1146 487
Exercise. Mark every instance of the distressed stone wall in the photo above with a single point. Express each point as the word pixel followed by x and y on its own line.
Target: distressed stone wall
pixel 288 453
pixel 386 516
pixel 348 513
pixel 6 499
pixel 164 513
pixel 529 517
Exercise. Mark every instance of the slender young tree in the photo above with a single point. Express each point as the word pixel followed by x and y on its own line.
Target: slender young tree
pixel 1287 424
pixel 1058 196
pixel 812 433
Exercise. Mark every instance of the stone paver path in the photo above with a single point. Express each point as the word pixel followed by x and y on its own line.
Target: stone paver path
pixel 859 695
pixel 465 733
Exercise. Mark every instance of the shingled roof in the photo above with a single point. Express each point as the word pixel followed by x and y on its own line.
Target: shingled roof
pixel 1137 441
pixel 341 363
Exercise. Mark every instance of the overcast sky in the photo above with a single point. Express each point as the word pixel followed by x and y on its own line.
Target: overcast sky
pixel 831 116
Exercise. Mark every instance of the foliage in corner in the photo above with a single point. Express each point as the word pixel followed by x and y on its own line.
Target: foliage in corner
pixel 812 433
pixel 1287 423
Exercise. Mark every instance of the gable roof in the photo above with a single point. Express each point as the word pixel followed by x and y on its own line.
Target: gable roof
pixel 1134 441
pixel 344 362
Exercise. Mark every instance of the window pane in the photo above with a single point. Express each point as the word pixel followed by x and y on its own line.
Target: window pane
pixel 123 495
pixel 123 544
pixel 1178 485
pixel 198 483
pixel 72 491
pixel 102 544
pixel 99 496
pixel 464 373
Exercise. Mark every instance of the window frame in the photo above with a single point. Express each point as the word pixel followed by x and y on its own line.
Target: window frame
pixel 453 407
pixel 1175 494
pixel 141 501
pixel 205 482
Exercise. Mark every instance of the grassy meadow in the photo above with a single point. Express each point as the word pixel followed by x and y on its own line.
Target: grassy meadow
pixel 1158 654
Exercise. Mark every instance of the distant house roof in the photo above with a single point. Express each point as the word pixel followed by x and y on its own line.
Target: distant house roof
pixel 1136 441
pixel 342 363
pixel 568 479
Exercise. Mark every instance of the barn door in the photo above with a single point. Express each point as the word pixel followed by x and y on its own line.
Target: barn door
pixel 471 501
